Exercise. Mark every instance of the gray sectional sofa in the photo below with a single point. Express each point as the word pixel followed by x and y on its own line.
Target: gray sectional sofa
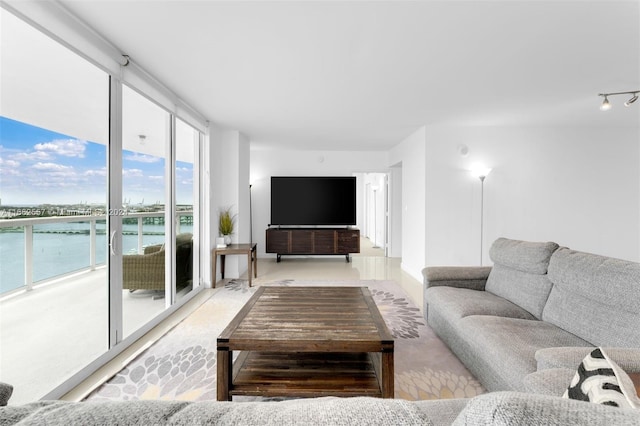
pixel 498 408
pixel 527 322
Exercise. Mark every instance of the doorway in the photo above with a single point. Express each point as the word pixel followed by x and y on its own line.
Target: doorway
pixel 375 221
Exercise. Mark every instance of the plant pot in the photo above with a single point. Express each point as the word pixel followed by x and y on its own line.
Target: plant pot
pixel 227 239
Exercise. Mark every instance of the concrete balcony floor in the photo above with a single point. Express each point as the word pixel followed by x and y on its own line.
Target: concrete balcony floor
pixel 53 331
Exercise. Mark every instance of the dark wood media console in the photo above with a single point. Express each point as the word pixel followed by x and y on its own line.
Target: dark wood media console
pixel 313 241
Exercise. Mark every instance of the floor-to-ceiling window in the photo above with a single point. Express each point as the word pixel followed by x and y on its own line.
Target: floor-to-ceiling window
pixel 53 150
pixel 62 159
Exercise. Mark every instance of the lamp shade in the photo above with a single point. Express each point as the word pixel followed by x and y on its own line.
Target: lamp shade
pixel 480 171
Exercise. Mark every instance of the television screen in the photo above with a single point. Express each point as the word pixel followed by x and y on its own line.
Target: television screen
pixel 313 200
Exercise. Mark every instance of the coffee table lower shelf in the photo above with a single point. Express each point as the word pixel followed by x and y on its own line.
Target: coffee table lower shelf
pixel 306 374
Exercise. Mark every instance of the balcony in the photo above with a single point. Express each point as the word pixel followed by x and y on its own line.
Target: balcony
pixel 54 320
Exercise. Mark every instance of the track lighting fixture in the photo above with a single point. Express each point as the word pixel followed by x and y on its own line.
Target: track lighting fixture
pixel 607 106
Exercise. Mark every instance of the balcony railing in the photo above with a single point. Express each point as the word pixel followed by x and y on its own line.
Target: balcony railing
pixel 95 232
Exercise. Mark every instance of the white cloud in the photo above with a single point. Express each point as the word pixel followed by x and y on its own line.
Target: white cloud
pixel 32 156
pixel 9 163
pixel 53 169
pixel 54 184
pixel 100 172
pixel 64 147
pixel 132 173
pixel 142 158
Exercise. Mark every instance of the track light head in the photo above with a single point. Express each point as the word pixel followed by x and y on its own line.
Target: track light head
pixel 606 106
pixel 632 100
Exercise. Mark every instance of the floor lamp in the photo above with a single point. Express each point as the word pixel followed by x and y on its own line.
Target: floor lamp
pixel 481 173
pixel 375 219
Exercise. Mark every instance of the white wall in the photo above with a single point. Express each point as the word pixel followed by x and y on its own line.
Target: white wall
pixel 243 220
pixel 577 187
pixel 265 164
pixel 230 159
pixel 411 153
pixel 395 211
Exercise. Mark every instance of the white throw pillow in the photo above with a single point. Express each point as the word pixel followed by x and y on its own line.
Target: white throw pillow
pixel 602 381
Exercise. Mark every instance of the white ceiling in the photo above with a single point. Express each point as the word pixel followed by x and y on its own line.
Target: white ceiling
pixel 363 75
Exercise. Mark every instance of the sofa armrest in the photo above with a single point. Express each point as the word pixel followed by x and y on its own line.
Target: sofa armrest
pixel 552 381
pixel 471 277
pixel 570 357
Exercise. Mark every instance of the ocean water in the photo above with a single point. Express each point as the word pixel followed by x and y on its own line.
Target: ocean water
pixel 61 248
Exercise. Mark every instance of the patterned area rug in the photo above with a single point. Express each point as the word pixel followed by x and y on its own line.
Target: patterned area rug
pixel 182 364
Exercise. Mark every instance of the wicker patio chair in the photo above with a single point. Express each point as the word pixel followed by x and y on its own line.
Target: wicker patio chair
pixel 146 271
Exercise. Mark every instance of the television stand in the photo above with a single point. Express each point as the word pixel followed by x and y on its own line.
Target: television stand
pixel 313 241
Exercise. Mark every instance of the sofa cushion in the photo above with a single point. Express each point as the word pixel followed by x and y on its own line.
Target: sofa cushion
pixel 455 303
pixel 595 297
pixel 500 351
pixel 601 381
pixel 313 411
pixel 521 409
pixel 524 256
pixel 519 273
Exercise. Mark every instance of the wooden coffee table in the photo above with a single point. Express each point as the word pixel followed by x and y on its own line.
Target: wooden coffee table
pixel 307 342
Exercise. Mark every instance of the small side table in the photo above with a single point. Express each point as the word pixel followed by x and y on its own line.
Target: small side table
pixel 247 249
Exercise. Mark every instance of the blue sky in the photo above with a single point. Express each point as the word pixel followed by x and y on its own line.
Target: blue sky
pixel 38 166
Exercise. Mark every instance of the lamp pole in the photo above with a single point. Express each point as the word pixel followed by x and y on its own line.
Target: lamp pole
pixel 481 173
pixel 481 214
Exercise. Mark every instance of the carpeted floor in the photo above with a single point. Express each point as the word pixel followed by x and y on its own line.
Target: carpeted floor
pixel 182 364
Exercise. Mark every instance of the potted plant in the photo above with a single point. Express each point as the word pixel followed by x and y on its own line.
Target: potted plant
pixel 226 224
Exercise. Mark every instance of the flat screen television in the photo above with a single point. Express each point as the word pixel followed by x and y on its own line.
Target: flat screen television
pixel 313 200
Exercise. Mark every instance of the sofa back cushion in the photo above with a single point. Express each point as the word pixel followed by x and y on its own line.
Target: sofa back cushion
pixel 595 297
pixel 519 273
pixel 185 238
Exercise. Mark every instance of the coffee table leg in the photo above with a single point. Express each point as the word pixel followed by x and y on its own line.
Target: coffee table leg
pixel 387 374
pixel 223 385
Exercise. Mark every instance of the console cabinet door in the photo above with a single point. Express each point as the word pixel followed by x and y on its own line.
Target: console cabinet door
pixel 278 241
pixel 324 241
pixel 348 241
pixel 302 241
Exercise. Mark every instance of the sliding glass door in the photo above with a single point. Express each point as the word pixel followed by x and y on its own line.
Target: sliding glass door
pixel 186 207
pixel 53 159
pixel 146 130
pixel 99 223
